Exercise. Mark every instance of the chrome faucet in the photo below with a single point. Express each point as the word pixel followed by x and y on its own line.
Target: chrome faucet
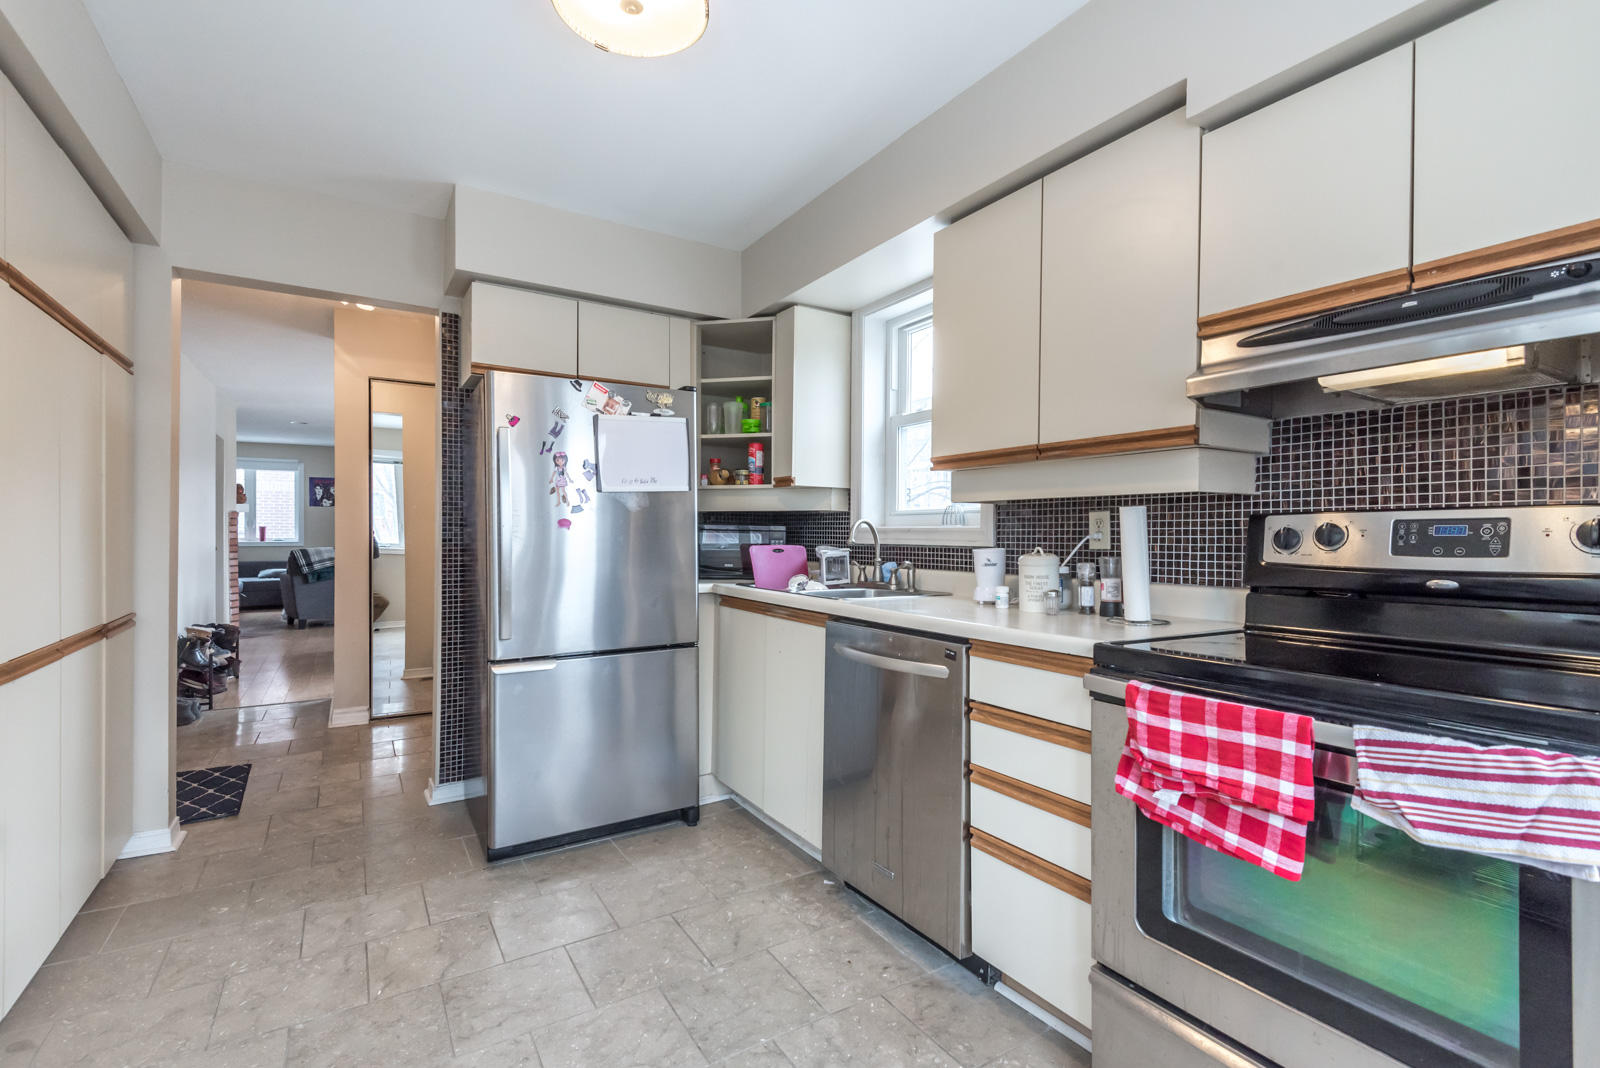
pixel 877 547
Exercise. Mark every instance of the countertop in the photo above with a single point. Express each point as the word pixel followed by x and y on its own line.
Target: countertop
pixel 963 617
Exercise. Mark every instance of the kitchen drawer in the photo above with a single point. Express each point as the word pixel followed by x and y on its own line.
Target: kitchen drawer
pixel 1049 694
pixel 1060 840
pixel 1039 936
pixel 1058 768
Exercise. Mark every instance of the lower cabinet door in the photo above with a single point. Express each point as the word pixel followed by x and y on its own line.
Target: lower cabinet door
pixel 1038 936
pixel 1061 841
pixel 740 702
pixel 792 781
pixel 1056 768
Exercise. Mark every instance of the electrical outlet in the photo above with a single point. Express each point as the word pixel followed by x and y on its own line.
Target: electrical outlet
pixel 1100 530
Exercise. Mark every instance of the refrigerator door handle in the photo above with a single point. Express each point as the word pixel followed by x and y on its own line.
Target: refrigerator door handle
pixel 889 663
pixel 507 527
pixel 522 669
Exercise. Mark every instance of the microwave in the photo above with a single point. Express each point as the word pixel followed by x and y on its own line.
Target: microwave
pixel 724 548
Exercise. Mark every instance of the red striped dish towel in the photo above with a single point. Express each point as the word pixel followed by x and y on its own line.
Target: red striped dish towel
pixel 1231 776
pixel 1531 806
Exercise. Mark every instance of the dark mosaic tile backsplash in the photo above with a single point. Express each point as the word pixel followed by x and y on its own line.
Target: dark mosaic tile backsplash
pixel 460 649
pixel 1533 447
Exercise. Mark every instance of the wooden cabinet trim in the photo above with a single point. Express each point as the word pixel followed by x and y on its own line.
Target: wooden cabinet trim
pixel 1061 663
pixel 35 295
pixel 1510 255
pixel 1046 730
pixel 480 368
pixel 761 608
pixel 1299 305
pixel 1172 437
pixel 783 481
pixel 1029 864
pixel 28 663
pixel 1030 795
pixel 988 458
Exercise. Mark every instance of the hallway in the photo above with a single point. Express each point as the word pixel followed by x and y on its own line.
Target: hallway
pixel 280 663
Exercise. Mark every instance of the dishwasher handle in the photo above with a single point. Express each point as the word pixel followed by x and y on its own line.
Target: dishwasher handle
pixel 889 663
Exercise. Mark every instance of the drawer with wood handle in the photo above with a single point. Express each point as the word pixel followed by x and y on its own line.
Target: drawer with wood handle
pixel 1045 685
pixel 1036 751
pixel 1045 824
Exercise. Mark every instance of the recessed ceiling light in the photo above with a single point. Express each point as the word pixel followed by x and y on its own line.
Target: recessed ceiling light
pixel 366 307
pixel 643 28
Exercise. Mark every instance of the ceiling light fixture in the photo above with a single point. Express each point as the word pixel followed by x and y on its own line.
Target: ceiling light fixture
pixel 1417 370
pixel 366 307
pixel 643 28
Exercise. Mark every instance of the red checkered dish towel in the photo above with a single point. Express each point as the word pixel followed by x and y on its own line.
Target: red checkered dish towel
pixel 1233 777
pixel 1531 806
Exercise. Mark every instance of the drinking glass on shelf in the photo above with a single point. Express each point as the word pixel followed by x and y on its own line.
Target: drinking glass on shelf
pixel 713 419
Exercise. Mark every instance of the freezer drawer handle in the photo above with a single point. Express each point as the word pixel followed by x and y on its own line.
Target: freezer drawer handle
pixel 889 663
pixel 522 669
pixel 507 519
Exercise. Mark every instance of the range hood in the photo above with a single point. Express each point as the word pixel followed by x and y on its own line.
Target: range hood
pixel 1518 330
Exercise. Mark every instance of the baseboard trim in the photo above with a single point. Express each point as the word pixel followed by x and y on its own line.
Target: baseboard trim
pixel 417 673
pixel 149 843
pixel 714 798
pixel 350 717
pixel 389 624
pixel 793 839
pixel 1023 998
pixel 444 794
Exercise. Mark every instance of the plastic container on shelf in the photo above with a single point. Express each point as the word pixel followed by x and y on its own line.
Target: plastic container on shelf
pixel 713 419
pixel 732 413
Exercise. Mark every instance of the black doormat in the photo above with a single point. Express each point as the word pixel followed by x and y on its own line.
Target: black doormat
pixel 211 793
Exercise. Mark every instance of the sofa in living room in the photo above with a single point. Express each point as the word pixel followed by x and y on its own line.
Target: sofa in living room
pixel 259 583
pixel 307 587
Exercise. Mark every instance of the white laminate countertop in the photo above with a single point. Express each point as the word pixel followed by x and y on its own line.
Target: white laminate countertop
pixel 963 617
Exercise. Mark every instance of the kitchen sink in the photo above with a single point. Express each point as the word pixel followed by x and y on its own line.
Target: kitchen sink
pixel 855 593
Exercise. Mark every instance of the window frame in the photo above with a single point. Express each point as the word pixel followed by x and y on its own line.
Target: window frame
pixel 250 465
pixel 394 459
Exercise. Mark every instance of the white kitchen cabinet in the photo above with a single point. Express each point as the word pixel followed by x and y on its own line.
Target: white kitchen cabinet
pixel 680 352
pixel 986 333
pixel 706 655
pixel 1118 277
pixel 741 702
pixel 623 345
pixel 30 776
pixel 1048 765
pixel 1063 842
pixel 796 655
pixel 518 330
pixel 1507 138
pixel 1311 195
pixel 1039 936
pixel 1054 695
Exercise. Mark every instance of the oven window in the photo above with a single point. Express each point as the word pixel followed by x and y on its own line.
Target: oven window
pixel 1426 938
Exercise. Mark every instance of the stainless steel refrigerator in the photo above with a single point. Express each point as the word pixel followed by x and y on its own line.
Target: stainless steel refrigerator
pixel 588 695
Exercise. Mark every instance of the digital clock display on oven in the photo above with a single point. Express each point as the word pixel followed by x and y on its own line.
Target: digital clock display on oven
pixel 1455 530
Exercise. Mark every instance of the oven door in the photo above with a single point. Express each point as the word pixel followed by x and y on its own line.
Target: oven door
pixel 1430 956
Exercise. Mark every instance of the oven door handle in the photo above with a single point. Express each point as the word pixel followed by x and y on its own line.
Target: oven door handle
pixel 1330 735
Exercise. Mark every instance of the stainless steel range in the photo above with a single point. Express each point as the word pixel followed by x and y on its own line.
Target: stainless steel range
pixel 1477 624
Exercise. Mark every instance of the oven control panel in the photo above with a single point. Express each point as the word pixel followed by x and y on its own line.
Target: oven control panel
pixel 1559 539
pixel 1483 538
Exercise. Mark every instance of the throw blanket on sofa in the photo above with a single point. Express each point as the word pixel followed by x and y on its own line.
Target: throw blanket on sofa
pixel 314 564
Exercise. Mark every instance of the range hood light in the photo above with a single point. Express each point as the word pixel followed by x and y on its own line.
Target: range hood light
pixel 1418 370
pixel 643 28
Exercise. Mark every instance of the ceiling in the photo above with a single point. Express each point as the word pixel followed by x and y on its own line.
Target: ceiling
pixel 394 102
pixel 270 354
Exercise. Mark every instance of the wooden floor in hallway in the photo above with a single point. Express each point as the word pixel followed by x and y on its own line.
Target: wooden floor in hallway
pixel 280 665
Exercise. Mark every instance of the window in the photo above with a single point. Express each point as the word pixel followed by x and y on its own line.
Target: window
pixel 916 493
pixel 273 489
pixel 388 505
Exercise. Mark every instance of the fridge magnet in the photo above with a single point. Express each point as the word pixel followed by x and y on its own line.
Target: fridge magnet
pixel 576 383
pixel 319 492
pixel 557 428
pixel 564 524
pixel 597 396
pixel 546 447
pixel 662 401
pixel 583 496
pixel 588 470
pixel 513 420
pixel 558 479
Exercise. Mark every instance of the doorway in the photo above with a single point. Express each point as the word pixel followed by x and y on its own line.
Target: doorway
pixel 403 486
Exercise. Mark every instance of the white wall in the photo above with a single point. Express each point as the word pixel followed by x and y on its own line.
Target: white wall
pixel 317 522
pixel 197 496
pixel 1105 69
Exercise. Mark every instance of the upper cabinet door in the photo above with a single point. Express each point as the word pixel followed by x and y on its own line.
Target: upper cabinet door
pixel 1508 139
pixel 986 334
pixel 519 330
pixel 1306 204
pixel 680 353
pixel 1121 237
pixel 623 345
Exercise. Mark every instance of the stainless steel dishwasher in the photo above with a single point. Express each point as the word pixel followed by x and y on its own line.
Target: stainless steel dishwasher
pixel 894 792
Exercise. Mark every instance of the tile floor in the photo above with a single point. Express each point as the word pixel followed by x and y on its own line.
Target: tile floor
pixel 339 920
pixel 281 664
pixel 393 695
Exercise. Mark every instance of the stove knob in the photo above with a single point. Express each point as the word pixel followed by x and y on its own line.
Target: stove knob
pixel 1330 536
pixel 1286 539
pixel 1587 535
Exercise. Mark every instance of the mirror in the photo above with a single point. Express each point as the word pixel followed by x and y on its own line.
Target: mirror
pixel 403 480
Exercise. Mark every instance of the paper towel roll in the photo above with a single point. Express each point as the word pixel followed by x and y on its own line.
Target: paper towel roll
pixel 1135 564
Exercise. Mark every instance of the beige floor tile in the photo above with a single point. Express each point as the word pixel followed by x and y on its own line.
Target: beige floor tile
pixel 871 1034
pixel 926 955
pixel 397 765
pixel 82 986
pixel 290 826
pixel 429 955
pixel 398 863
pixel 257 1051
pixel 1049 1050
pixel 134 1032
pixel 674 842
pixel 512 999
pixel 205 958
pixel 419 727
pixel 638 895
pixel 623 963
pixel 766 1055
pixel 19 1045
pixel 819 900
pixel 727 872
pixel 342 793
pixel 335 924
pixel 282 801
pixel 741 1004
pixel 569 868
pixel 318 884
pixel 84 935
pixel 320 774
pixel 183 914
pixel 643 1030
pixel 145 879
pixel 840 965
pixel 535 924
pixel 404 806
pixel 245 865
pixel 244 754
pixel 740 925
pixel 961 1014
pixel 283 995
pixel 518 1052
pixel 406 1030
pixel 224 836
pixel 478 890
